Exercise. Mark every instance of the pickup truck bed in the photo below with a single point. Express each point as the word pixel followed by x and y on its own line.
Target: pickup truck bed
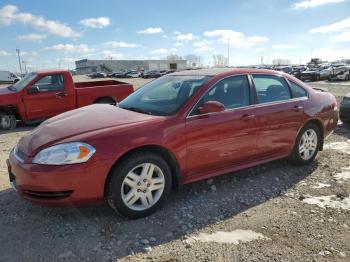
pixel 44 94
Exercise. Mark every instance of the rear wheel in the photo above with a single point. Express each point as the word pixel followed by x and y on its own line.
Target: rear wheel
pixel 139 185
pixel 8 121
pixel 105 100
pixel 307 145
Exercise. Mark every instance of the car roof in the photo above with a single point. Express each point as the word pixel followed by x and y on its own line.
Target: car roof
pixel 224 71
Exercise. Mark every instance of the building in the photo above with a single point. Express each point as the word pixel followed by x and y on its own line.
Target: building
pixel 86 66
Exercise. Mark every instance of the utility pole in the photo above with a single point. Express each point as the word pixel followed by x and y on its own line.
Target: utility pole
pixel 19 59
pixel 25 66
pixel 228 51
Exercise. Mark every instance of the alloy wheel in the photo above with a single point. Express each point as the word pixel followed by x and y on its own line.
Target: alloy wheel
pixel 143 186
pixel 308 144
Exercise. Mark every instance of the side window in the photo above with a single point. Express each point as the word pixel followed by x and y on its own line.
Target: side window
pixel 232 92
pixel 50 83
pixel 297 91
pixel 271 88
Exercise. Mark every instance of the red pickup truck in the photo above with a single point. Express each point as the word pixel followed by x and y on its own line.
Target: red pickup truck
pixel 44 94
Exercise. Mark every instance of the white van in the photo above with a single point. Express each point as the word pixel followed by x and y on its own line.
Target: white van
pixel 8 77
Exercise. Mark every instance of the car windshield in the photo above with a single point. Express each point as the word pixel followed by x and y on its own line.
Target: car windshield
pixel 163 96
pixel 24 82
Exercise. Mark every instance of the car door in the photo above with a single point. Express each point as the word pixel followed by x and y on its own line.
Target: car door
pixel 279 115
pixel 52 98
pixel 224 139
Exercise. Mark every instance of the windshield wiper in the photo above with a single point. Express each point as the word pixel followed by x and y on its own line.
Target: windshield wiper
pixel 138 110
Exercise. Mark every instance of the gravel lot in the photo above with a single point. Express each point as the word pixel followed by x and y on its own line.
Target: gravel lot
pixel 274 212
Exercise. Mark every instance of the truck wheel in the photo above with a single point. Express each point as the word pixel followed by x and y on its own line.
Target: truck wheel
pixel 105 100
pixel 8 122
pixel 139 185
pixel 306 145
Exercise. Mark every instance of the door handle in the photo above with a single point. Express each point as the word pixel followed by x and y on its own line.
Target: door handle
pixel 247 117
pixel 297 108
pixel 61 95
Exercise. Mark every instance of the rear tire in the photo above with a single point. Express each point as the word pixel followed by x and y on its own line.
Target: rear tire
pixel 8 121
pixel 139 185
pixel 105 100
pixel 306 145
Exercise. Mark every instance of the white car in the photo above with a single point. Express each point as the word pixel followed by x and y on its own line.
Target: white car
pixel 8 77
pixel 133 74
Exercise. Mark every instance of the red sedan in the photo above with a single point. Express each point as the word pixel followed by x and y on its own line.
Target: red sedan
pixel 180 128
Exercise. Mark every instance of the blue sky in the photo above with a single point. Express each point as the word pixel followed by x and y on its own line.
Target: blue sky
pixel 56 33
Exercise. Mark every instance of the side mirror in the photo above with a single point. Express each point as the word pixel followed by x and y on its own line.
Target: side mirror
pixel 16 80
pixel 33 90
pixel 211 107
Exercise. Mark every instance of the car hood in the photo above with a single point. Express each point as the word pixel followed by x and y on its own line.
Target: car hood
pixel 77 122
pixel 5 91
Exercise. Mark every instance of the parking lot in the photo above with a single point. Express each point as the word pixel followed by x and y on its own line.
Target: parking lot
pixel 274 211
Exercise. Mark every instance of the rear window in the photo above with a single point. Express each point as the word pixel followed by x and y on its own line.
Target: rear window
pixel 271 88
pixel 297 91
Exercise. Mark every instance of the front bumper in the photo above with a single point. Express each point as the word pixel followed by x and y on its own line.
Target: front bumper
pixel 70 185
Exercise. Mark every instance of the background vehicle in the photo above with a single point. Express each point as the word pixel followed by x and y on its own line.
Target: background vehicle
pixel 151 74
pixel 344 110
pixel 297 70
pixel 8 77
pixel 98 75
pixel 177 129
pixel 340 73
pixel 285 69
pixel 132 74
pixel 41 95
pixel 318 73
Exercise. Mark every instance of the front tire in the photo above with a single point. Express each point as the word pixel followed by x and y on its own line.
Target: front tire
pixel 139 185
pixel 8 121
pixel 306 145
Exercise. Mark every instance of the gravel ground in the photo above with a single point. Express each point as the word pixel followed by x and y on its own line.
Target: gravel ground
pixel 274 212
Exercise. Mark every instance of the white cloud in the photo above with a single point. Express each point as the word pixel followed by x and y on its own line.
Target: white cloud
pixel 313 3
pixel 114 44
pixel 185 37
pixel 285 46
pixel 173 49
pixel 164 36
pixel 4 53
pixel 159 51
pixel 342 37
pixel 204 49
pixel 331 53
pixel 98 22
pixel 9 14
pixel 177 33
pixel 179 44
pixel 82 48
pixel 202 43
pixel 237 39
pixel 151 30
pixel 31 37
pixel 338 26
pixel 111 54
pixel 261 48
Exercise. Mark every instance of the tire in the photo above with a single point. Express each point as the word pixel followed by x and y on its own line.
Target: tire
pixel 105 100
pixel 124 180
pixel 8 121
pixel 299 157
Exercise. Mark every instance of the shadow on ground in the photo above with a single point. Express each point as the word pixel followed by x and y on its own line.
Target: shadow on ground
pixel 30 232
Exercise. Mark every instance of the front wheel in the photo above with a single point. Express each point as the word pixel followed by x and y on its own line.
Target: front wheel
pixel 139 185
pixel 307 145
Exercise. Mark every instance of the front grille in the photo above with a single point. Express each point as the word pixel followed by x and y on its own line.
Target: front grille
pixel 48 195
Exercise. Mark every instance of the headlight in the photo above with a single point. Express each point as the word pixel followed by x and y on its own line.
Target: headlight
pixel 65 154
